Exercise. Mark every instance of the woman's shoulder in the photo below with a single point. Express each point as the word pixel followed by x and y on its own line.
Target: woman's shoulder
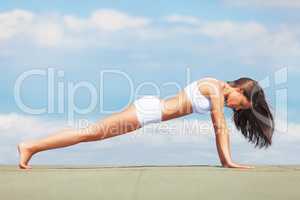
pixel 209 85
pixel 212 80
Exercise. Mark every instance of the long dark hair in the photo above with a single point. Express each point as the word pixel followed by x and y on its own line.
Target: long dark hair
pixel 255 123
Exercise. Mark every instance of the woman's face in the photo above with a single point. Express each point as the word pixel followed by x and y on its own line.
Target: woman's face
pixel 237 100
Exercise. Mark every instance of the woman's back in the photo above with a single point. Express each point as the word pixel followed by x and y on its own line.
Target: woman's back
pixel 193 98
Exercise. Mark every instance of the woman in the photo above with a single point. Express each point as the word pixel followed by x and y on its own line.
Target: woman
pixel 251 116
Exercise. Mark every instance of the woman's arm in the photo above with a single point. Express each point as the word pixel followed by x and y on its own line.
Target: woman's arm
pixel 222 137
pixel 221 130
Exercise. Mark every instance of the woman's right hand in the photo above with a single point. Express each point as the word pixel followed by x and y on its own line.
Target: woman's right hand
pixel 234 165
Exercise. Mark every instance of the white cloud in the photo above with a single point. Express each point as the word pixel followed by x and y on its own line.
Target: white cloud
pixel 48 34
pixel 66 30
pixel 265 3
pixel 182 19
pixel 233 30
pixel 105 20
pixel 252 40
pixel 217 29
pixel 14 22
pixel 23 126
pixel 248 41
pixel 74 23
pixel 111 20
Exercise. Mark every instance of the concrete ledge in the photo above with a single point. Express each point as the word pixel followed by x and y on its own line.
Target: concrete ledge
pixel 149 182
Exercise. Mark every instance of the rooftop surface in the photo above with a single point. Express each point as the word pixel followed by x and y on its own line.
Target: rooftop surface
pixel 150 182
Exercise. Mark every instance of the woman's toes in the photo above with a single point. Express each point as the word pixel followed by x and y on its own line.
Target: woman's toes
pixel 22 166
pixel 25 155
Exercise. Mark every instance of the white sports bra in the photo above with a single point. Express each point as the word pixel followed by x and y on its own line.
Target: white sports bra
pixel 200 103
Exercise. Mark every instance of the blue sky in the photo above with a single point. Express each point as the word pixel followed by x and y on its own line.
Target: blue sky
pixel 159 45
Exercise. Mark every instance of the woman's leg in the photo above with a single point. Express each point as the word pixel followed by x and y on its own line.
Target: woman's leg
pixel 113 125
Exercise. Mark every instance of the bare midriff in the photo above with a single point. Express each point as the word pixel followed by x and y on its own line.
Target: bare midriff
pixel 176 106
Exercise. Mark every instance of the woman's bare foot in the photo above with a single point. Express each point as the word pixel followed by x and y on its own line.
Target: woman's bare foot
pixel 25 154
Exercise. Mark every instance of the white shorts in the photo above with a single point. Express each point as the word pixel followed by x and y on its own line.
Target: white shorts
pixel 148 109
